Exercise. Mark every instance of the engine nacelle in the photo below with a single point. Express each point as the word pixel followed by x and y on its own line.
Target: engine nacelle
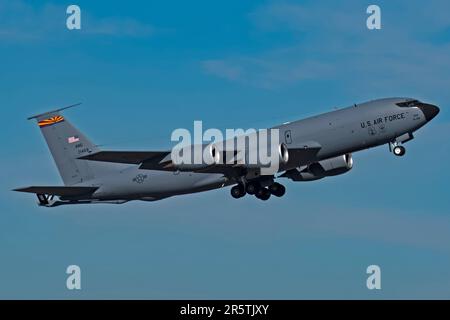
pixel 197 157
pixel 249 158
pixel 325 168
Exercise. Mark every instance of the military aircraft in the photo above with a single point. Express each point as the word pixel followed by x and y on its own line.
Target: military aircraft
pixel 309 149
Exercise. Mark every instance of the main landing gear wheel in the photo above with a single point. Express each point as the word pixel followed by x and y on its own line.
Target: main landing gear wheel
pixel 253 187
pixel 399 151
pixel 263 194
pixel 277 189
pixel 238 191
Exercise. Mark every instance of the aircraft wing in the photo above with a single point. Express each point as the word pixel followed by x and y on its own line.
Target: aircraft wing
pixel 299 154
pixel 59 191
pixel 130 157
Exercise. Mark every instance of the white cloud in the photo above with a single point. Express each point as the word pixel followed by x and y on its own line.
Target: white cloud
pixel 335 45
pixel 222 69
pixel 267 71
pixel 23 22
pixel 282 16
pixel 125 27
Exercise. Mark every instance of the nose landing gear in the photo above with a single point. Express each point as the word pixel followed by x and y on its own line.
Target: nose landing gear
pixel 397 149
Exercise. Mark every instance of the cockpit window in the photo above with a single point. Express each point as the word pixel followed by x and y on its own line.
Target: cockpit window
pixel 409 104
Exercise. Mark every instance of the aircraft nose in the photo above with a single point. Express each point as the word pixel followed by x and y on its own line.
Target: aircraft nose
pixel 430 111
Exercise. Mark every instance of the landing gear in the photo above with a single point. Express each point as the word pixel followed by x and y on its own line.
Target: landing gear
pixel 399 151
pixel 238 191
pixel 263 194
pixel 253 187
pixel 257 189
pixel 278 190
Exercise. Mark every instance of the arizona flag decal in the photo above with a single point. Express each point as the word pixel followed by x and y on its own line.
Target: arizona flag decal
pixel 50 121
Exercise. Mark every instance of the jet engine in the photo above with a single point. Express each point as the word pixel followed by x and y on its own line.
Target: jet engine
pixel 248 158
pixel 318 170
pixel 197 157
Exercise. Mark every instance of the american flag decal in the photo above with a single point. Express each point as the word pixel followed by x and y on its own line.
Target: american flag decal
pixel 73 139
pixel 50 121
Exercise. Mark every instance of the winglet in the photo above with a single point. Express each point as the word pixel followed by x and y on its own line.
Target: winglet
pixel 53 111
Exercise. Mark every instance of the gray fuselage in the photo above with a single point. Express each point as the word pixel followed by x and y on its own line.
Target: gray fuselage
pixel 338 132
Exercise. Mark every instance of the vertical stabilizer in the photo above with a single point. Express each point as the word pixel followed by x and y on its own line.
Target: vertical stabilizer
pixel 66 144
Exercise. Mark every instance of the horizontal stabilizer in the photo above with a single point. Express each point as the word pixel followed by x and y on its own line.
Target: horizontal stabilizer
pixel 52 112
pixel 130 157
pixel 59 191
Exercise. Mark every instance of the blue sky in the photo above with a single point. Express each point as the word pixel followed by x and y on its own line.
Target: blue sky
pixel 145 69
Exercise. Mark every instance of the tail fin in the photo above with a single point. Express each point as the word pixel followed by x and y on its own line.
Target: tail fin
pixel 66 144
